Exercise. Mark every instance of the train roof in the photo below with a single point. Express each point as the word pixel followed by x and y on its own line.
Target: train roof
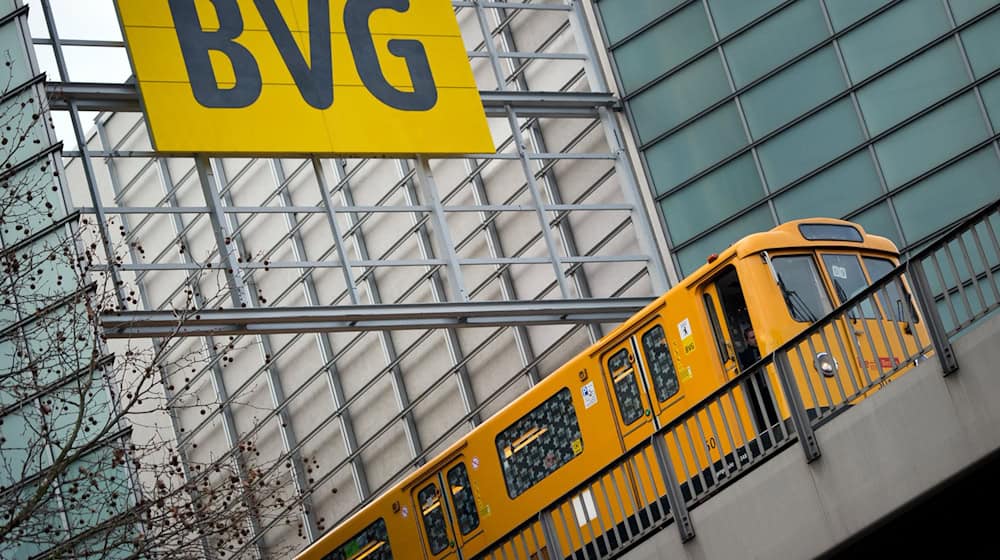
pixel 788 234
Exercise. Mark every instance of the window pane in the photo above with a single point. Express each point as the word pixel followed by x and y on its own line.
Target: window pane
pixel 921 145
pixel 965 10
pixel 695 147
pixel 690 258
pixel 622 376
pixel 49 274
pixel 12 45
pixel 67 402
pixel 661 364
pixel 712 198
pixel 539 443
pixel 846 12
pixel 891 35
pixel 948 195
pixel 756 52
pixel 982 43
pixel 991 97
pixel 17 383
pixel 662 47
pixel 95 488
pixel 31 136
pixel 730 15
pixel 30 203
pixel 912 86
pixel 848 279
pixel 622 17
pixel 23 451
pixel 61 341
pixel 461 496
pixel 429 502
pixel 802 288
pixel 877 220
pixel 680 96
pixel 893 303
pixel 810 143
pixel 373 543
pixel 834 192
pixel 793 91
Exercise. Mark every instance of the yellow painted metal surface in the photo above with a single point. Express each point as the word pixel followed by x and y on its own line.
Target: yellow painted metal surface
pixel 355 77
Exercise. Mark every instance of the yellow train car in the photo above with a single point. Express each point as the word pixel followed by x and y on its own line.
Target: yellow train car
pixel 646 373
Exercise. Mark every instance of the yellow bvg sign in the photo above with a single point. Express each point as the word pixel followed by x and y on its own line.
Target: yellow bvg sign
pixel 304 76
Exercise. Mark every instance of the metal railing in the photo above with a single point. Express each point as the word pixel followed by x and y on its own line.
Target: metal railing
pixel 929 300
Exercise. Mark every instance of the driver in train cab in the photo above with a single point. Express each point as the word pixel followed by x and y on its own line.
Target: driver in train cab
pixel 750 352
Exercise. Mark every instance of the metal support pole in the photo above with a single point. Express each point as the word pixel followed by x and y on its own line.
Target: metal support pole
pixel 550 534
pixel 425 179
pixel 796 407
pixel 682 517
pixel 228 254
pixel 925 300
pixel 338 238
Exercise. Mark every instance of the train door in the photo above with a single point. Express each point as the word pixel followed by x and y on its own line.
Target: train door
pixel 737 345
pixel 447 509
pixel 631 394
pixel 723 325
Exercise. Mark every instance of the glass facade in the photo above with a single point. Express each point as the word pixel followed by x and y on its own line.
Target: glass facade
pixel 748 114
pixel 53 397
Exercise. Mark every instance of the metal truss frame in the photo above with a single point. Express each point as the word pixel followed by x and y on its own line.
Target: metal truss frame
pixel 547 130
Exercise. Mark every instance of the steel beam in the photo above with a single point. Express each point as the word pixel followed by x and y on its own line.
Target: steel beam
pixel 348 318
pixel 124 98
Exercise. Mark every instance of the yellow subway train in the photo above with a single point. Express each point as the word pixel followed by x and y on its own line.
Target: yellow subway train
pixel 764 289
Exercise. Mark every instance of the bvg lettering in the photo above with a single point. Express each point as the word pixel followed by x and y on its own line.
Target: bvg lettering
pixel 314 81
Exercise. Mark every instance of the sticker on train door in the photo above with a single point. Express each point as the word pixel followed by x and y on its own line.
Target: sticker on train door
pixel 589 395
pixel 687 338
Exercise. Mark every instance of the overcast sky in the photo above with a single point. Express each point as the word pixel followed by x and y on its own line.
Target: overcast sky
pixel 80 19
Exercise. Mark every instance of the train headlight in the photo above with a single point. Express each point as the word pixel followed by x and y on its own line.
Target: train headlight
pixel 826 364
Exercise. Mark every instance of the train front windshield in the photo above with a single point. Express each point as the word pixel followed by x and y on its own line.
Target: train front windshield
pixel 806 297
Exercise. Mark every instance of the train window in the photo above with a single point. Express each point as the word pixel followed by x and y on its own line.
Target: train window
pixel 626 386
pixel 830 232
pixel 661 364
pixel 461 496
pixel 540 442
pixel 801 287
pixel 848 279
pixel 429 501
pixel 892 300
pixel 371 544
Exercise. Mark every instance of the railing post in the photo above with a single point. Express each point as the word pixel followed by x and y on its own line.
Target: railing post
pixel 925 300
pixel 550 534
pixel 677 506
pixel 796 407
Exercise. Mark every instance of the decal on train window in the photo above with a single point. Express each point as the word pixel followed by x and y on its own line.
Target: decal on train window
pixel 429 502
pixel 371 544
pixel 461 496
pixel 661 364
pixel 626 387
pixel 539 443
